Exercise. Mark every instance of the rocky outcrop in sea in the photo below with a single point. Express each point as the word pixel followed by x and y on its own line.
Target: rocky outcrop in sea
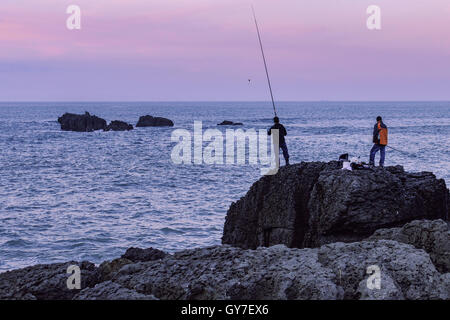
pixel 230 123
pixel 81 122
pixel 149 121
pixel 88 123
pixel 312 231
pixel 314 203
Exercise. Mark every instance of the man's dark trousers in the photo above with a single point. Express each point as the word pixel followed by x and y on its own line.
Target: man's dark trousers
pixel 377 147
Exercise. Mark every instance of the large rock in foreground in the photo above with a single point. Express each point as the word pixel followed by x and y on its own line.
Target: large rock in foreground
pixel 149 121
pixel 132 255
pixel 432 236
pixel 141 255
pixel 81 122
pixel 311 204
pixel 110 291
pixel 45 282
pixel 333 271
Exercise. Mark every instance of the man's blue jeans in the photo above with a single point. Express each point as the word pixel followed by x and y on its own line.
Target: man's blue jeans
pixel 284 148
pixel 375 149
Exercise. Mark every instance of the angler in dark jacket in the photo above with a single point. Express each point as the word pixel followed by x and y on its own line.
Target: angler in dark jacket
pixel 281 134
pixel 380 140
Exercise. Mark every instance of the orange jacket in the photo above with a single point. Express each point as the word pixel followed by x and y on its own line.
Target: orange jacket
pixel 382 133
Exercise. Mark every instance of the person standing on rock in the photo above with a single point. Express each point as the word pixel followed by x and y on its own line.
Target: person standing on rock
pixel 380 140
pixel 281 134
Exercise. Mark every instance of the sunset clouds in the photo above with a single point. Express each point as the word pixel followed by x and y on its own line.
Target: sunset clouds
pixel 207 49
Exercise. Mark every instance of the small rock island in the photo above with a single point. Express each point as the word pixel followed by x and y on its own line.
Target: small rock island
pixel 230 123
pixel 149 121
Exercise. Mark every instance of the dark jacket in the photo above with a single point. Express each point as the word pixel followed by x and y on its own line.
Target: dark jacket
pixel 380 133
pixel 281 132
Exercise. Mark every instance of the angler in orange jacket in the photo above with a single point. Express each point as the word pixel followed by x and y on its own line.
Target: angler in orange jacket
pixel 380 140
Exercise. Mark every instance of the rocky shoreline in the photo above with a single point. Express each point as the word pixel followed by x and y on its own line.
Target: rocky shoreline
pixel 312 231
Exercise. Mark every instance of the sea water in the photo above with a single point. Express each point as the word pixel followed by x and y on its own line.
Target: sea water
pixel 90 196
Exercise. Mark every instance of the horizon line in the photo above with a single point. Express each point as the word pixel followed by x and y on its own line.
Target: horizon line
pixel 165 101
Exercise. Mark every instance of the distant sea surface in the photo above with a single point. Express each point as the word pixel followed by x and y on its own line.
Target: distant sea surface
pixel 90 196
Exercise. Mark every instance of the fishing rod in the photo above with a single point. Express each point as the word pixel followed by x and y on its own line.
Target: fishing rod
pixel 265 63
pixel 410 154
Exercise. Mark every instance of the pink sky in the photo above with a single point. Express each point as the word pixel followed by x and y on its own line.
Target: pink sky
pixel 207 50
